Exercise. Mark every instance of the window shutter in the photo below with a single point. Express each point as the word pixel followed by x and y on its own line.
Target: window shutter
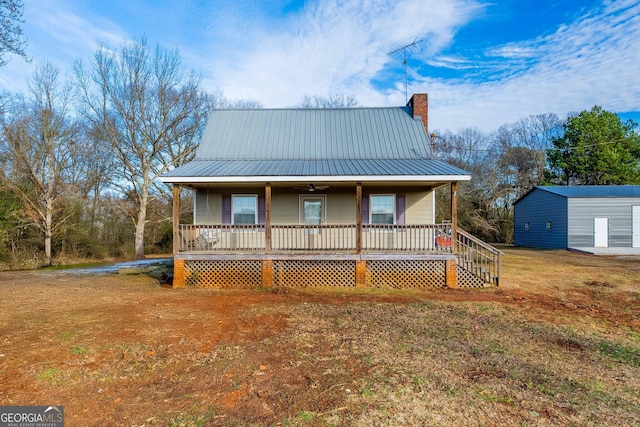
pixel 262 217
pixel 400 208
pixel 226 209
pixel 365 210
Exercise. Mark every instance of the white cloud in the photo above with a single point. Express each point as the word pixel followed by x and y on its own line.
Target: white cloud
pixel 593 60
pixel 340 46
pixel 250 50
pixel 512 50
pixel 453 62
pixel 70 33
pixel 59 35
pixel 336 46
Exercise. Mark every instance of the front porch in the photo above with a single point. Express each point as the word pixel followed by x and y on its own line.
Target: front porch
pixel 357 254
pixel 351 255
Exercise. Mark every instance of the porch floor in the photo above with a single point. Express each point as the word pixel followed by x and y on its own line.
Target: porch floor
pixel 207 255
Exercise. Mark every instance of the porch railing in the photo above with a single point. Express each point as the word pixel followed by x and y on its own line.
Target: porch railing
pixel 340 238
pixel 407 238
pixel 325 237
pixel 221 238
pixel 474 256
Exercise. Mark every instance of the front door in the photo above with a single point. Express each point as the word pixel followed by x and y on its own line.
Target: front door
pixel 601 232
pixel 312 212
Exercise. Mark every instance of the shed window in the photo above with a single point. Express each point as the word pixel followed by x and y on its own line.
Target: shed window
pixel 548 225
pixel 526 226
pixel 382 208
pixel 245 209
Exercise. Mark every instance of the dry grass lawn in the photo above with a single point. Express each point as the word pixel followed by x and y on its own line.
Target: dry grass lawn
pixel 558 343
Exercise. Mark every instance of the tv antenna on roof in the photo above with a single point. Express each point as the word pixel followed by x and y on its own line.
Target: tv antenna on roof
pixel 404 49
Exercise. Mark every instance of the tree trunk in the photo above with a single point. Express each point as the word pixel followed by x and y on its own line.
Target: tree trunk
pixel 139 243
pixel 48 227
pixel 140 225
pixel 94 209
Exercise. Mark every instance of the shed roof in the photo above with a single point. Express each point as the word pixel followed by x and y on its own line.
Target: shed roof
pixel 588 191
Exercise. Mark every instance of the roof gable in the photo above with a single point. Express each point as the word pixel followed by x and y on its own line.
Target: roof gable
pixel 314 134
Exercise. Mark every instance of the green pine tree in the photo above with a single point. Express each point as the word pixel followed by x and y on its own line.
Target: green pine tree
pixel 596 148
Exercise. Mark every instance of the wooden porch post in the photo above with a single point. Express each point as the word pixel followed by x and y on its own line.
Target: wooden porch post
pixel 267 217
pixel 358 218
pixel 454 216
pixel 361 264
pixel 176 218
pixel 178 264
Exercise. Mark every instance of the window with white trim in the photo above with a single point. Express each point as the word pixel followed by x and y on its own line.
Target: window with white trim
pixel 382 208
pixel 244 209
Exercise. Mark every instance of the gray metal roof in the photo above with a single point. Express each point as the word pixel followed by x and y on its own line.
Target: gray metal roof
pixel 279 134
pixel 316 168
pixel 291 144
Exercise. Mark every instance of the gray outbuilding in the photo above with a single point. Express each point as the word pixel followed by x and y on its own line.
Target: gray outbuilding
pixel 578 217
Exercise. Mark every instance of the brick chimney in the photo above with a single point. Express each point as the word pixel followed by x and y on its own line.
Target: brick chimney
pixel 419 104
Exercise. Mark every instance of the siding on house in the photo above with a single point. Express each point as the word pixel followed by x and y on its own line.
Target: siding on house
pixel 582 212
pixel 536 209
pixel 420 208
pixel 340 204
pixel 285 208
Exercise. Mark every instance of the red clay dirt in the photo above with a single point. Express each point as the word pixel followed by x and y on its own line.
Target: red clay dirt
pixel 127 350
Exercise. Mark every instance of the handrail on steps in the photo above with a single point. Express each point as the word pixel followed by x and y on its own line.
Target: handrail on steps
pixel 479 258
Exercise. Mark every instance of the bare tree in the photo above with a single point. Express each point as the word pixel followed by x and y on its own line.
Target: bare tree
pixel 338 100
pixel 217 100
pixel 38 150
pixel 11 37
pixel 93 173
pixel 504 164
pixel 468 149
pixel 522 148
pixel 150 114
pixel 464 148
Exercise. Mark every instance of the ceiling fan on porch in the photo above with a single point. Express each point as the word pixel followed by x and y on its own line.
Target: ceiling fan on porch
pixel 311 188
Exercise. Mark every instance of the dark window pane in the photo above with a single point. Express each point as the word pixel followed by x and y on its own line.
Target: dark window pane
pixel 382 209
pixel 244 210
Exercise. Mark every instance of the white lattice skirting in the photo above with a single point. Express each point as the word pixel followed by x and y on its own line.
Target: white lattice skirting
pixel 374 273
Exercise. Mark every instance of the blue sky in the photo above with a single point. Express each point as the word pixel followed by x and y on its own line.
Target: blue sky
pixel 482 63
